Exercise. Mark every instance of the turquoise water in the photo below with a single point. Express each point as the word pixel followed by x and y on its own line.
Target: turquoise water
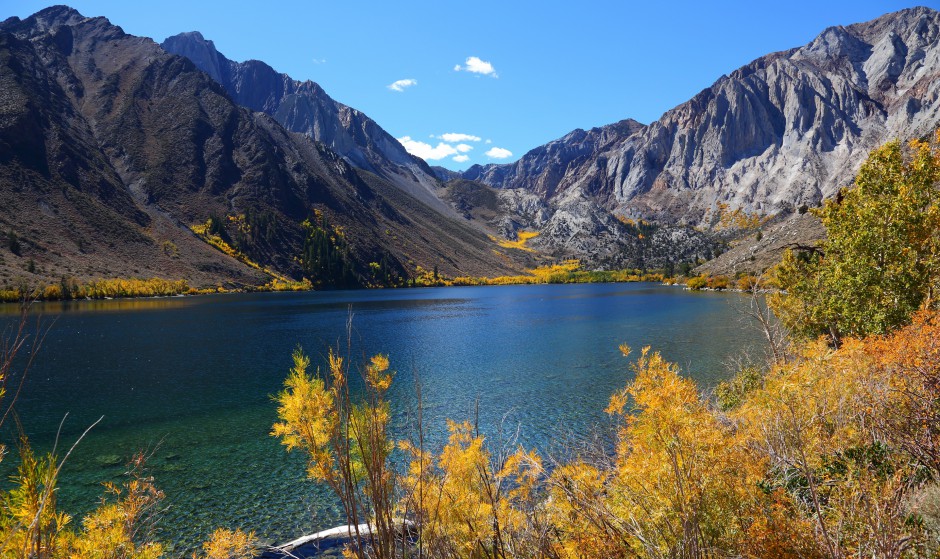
pixel 191 379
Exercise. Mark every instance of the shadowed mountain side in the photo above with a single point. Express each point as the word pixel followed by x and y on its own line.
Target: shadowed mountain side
pixel 112 149
pixel 306 108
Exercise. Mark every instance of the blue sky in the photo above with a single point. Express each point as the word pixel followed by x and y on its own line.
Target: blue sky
pixel 501 77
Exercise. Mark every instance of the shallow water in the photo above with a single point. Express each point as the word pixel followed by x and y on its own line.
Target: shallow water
pixel 191 380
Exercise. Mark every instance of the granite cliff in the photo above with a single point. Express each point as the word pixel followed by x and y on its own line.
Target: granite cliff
pixel 785 131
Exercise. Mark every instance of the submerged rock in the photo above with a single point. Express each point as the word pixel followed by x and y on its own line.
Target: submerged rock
pixel 109 460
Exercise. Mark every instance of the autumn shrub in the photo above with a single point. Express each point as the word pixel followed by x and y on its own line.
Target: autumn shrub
pixel 30 523
pixel 830 454
pixel 718 283
pixel 52 292
pixel 347 444
pixel 747 283
pixel 731 393
pixel 469 503
pixel 229 544
pixel 124 525
pixel 905 407
pixel 823 426
pixel 677 486
pixel 696 283
pixel 32 526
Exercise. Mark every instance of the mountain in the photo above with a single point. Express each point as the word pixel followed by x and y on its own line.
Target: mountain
pixel 535 194
pixel 548 169
pixel 787 130
pixel 599 238
pixel 305 108
pixel 112 150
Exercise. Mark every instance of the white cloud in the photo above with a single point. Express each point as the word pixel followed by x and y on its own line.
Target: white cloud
pixel 319 61
pixel 498 153
pixel 455 145
pixel 427 151
pixel 476 66
pixel 488 141
pixel 454 137
pixel 400 85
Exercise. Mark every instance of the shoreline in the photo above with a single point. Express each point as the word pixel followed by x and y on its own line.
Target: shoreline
pixel 146 290
pixel 159 288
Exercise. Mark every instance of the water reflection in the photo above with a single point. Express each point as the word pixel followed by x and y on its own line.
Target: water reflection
pixel 99 305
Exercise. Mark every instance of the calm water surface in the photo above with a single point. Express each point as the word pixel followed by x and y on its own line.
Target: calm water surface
pixel 191 379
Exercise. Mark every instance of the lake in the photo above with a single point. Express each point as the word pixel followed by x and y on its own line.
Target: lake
pixel 191 380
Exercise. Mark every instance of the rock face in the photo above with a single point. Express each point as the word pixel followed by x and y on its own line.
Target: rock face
pixel 550 170
pixel 305 108
pixel 788 129
pixel 549 190
pixel 110 148
pixel 756 253
pixel 577 227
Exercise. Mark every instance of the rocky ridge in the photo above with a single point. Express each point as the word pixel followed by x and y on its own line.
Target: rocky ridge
pixel 111 149
pixel 306 108
pixel 755 253
pixel 787 130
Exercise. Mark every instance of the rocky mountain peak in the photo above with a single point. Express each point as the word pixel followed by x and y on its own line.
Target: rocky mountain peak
pixel 304 107
pixel 198 49
pixel 788 129
pixel 903 22
pixel 62 19
pixel 55 16
pixel 112 149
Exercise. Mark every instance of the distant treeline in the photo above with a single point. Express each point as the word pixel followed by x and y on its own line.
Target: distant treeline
pixel 70 288
pixel 568 271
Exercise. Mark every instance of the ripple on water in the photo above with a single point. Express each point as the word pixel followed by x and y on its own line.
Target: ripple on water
pixel 190 381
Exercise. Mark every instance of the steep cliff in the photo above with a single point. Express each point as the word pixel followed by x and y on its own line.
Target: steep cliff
pixel 305 108
pixel 788 129
pixel 111 149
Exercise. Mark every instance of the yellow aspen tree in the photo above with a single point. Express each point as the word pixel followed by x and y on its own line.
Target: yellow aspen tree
pixel 347 444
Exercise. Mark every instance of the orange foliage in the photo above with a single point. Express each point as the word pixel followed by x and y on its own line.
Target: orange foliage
pixel 908 362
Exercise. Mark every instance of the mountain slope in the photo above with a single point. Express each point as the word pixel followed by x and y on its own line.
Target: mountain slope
pixel 305 108
pixel 788 129
pixel 551 191
pixel 112 149
pixel 547 170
